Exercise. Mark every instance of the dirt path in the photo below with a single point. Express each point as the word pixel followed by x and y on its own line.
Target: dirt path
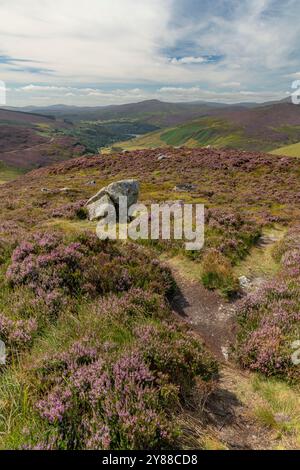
pixel 206 312
pixel 227 419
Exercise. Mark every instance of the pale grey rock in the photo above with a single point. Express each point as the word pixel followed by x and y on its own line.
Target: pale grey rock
pixel 184 187
pixel 244 282
pixel 95 209
pixel 282 418
pixel 111 194
pixel 161 157
pixel 128 188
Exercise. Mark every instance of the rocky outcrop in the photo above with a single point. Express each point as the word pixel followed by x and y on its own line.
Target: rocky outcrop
pixel 110 195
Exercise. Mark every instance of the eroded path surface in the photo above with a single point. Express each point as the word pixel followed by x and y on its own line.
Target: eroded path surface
pixel 227 420
pixel 207 312
pixel 228 415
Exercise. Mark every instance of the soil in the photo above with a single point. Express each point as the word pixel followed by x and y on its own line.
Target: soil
pixel 224 417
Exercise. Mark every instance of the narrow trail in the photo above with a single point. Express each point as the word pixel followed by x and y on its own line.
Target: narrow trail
pixel 206 312
pixel 227 419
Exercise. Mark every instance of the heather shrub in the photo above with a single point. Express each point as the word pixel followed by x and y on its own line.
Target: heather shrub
pixel 17 333
pixel 103 404
pixel 103 393
pixel 72 210
pixel 230 233
pixel 57 269
pixel 175 352
pixel 51 276
pixel 269 319
pixel 22 316
pixel 217 273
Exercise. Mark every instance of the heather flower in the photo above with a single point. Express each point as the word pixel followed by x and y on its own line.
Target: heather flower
pixel 269 318
pixel 119 402
pixel 71 210
pixel 17 333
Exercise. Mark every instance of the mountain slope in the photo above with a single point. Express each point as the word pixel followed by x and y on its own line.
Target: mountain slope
pixel 155 112
pixel 88 325
pixel 30 140
pixel 261 129
pixel 289 150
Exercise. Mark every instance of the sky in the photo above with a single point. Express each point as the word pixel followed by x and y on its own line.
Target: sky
pixel 100 52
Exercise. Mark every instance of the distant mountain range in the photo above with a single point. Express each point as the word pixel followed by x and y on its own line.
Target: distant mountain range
pixel 155 112
pixel 37 136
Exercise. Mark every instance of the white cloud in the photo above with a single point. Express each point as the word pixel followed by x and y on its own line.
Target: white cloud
pixel 46 88
pixel 230 85
pixel 187 60
pixel 100 97
pixel 91 45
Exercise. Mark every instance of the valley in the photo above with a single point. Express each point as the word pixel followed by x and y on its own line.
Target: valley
pixel 35 137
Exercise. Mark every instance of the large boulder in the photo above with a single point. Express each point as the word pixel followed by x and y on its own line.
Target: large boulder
pixel 111 194
pixel 95 208
pixel 128 188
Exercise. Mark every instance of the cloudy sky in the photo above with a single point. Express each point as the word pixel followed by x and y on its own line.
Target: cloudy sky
pixel 98 52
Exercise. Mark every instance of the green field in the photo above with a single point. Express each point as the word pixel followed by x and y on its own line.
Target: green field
pixel 7 173
pixel 290 150
pixel 215 132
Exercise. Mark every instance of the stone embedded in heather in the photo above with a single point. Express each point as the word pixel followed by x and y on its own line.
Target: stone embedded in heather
pixel 161 157
pixel 95 209
pixel 244 282
pixel 128 188
pixel 184 187
pixel 111 194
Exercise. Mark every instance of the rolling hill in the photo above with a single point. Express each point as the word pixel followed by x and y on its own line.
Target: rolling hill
pixel 158 113
pixel 37 137
pixel 93 327
pixel 262 128
pixel 289 150
pixel 29 140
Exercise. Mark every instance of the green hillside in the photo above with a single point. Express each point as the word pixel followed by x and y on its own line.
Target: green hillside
pixel 7 173
pixel 289 150
pixel 205 131
pixel 263 129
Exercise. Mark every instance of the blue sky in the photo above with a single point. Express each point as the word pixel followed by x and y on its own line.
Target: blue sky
pixel 100 52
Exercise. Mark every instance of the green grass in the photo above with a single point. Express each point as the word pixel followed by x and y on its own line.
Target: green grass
pixel 261 263
pixel 290 150
pixel 8 173
pixel 278 408
pixel 217 133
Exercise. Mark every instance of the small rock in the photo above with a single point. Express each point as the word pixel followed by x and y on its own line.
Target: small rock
pixel 161 157
pixel 225 353
pixel 91 183
pixel 65 190
pixel 184 187
pixel 244 282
